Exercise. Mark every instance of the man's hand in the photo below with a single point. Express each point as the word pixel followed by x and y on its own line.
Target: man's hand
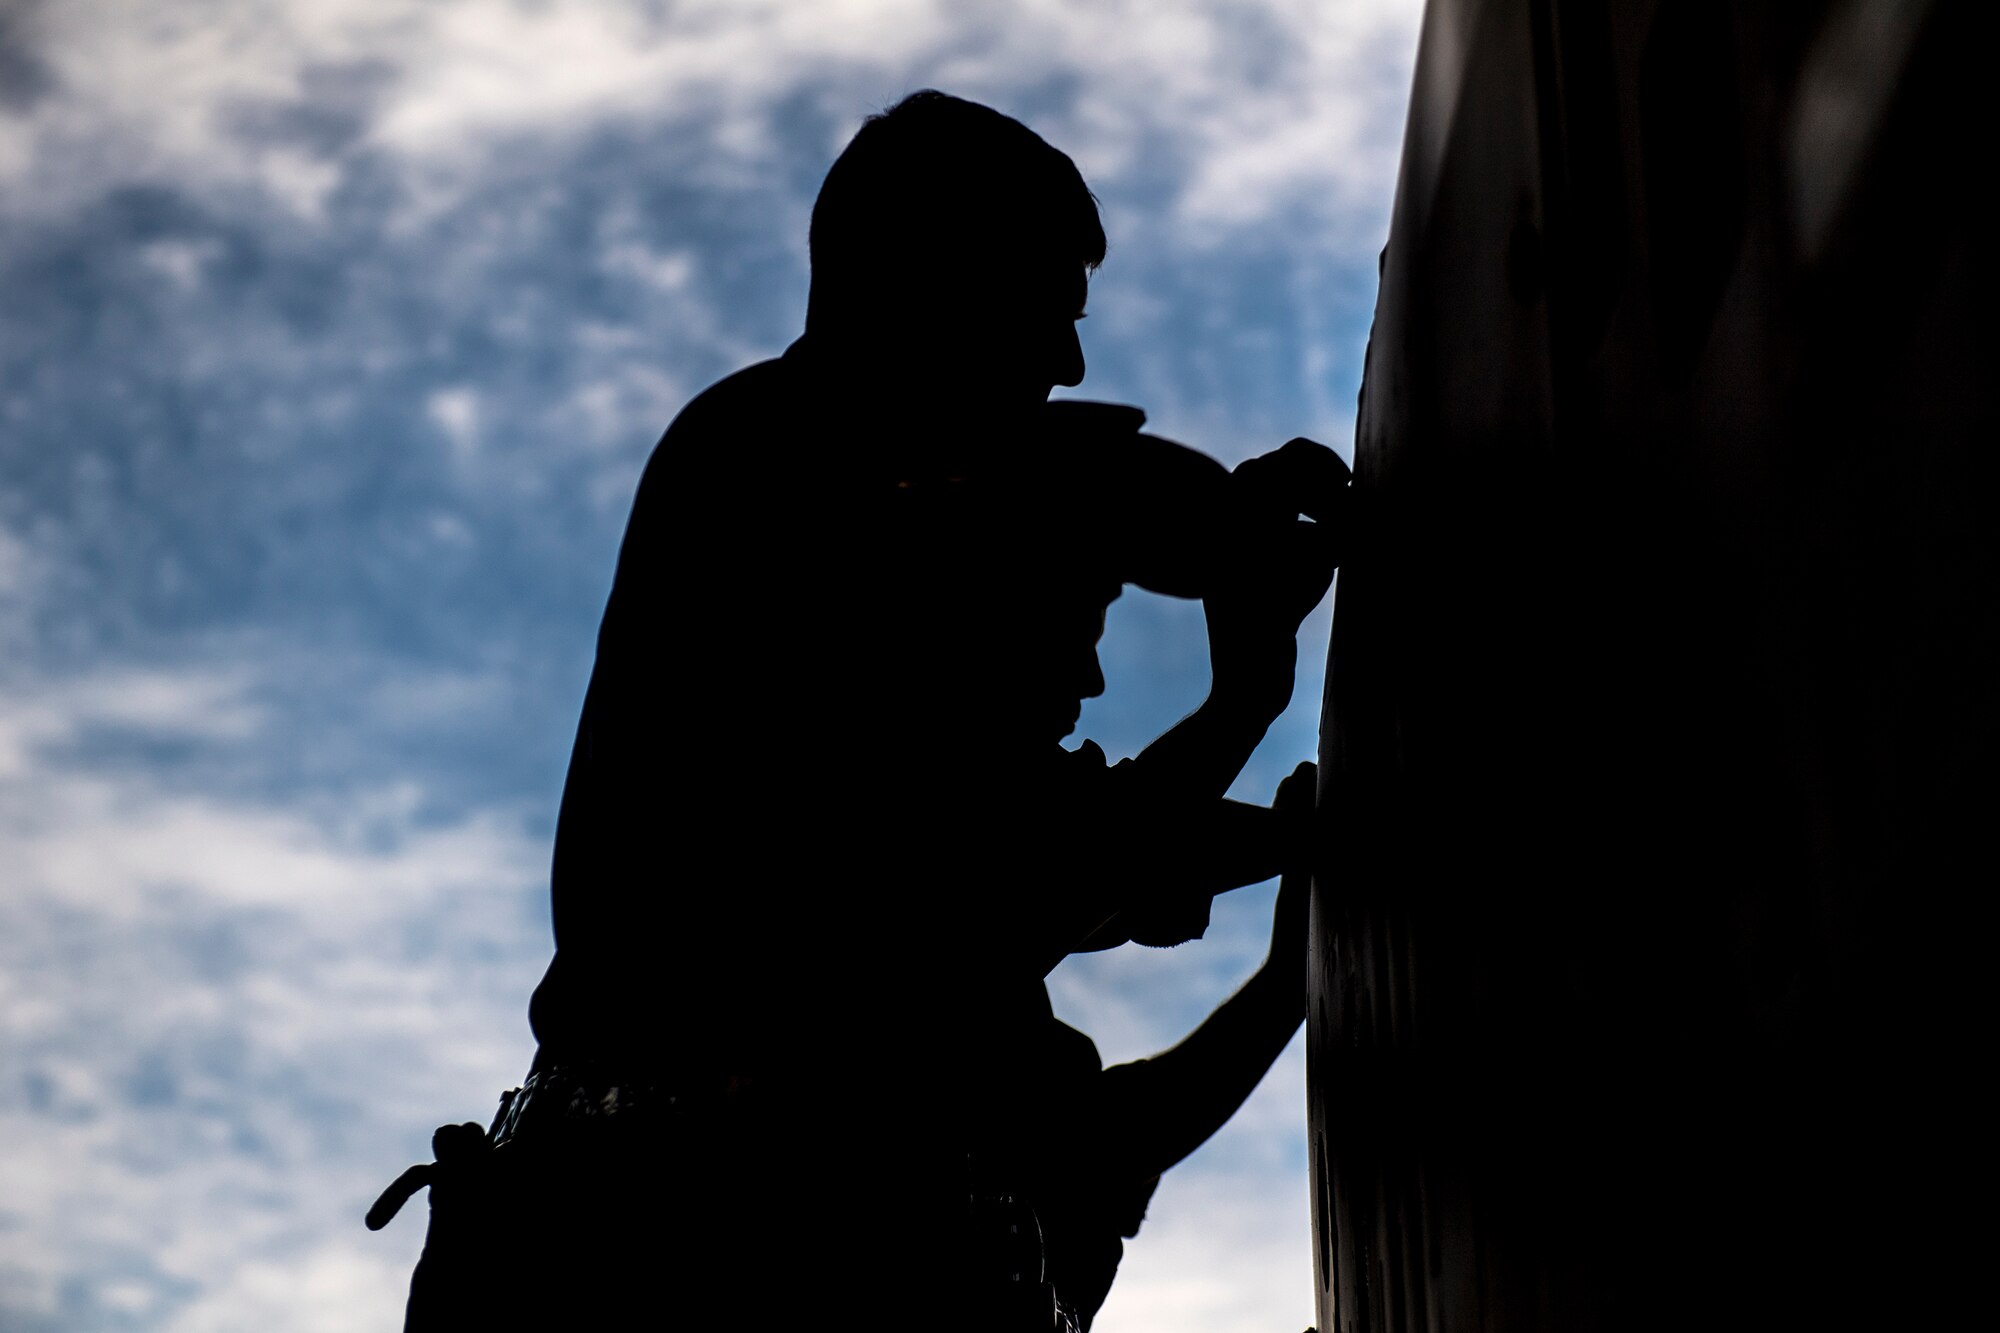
pixel 1291 521
pixel 1291 921
pixel 1300 476
pixel 1292 504
pixel 1269 536
pixel 1166 1106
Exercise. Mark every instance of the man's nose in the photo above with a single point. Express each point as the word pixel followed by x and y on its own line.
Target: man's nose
pixel 1093 677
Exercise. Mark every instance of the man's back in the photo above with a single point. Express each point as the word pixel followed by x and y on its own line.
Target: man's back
pixel 670 728
pixel 791 734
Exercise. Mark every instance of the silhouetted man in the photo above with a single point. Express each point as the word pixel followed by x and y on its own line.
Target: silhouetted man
pixel 814 855
pixel 1079 1149
pixel 1100 1139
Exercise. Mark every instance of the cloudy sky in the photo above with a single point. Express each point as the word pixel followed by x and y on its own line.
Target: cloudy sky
pixel 333 336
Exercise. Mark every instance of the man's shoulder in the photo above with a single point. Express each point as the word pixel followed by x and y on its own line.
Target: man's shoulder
pixel 744 423
pixel 759 397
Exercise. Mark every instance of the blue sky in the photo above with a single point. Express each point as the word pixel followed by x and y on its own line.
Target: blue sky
pixel 332 339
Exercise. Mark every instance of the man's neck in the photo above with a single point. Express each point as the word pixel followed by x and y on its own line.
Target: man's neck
pixel 907 408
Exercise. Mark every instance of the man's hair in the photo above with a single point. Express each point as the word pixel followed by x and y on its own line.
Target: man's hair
pixel 936 187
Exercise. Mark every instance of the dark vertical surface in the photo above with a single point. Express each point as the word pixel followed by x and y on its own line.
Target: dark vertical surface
pixel 1664 697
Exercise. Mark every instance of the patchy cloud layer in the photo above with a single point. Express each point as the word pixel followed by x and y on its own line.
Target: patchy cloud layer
pixel 334 338
pixel 225 1018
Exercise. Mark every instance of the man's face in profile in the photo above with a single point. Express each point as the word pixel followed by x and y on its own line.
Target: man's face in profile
pixel 1013 333
pixel 1081 668
pixel 1058 667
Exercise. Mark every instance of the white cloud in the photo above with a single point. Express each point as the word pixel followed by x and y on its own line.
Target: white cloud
pixel 299 181
pixel 206 703
pixel 1266 106
pixel 180 262
pixel 333 1287
pixel 455 411
pixel 667 272
pixel 226 1025
pixel 199 703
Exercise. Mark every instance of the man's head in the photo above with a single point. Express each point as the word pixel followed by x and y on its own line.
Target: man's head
pixel 952 245
pixel 1050 657
pixel 999 670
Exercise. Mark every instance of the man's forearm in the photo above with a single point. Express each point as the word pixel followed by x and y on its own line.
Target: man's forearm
pixel 1166 1107
pixel 1202 754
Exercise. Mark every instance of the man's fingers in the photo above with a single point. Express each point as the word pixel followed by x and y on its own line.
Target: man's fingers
pixel 1297 797
pixel 1312 461
pixel 1296 790
pixel 1300 476
pixel 1315 550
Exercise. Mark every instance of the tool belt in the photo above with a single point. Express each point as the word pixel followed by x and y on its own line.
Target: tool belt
pixel 560 1095
pixel 563 1103
pixel 557 1100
